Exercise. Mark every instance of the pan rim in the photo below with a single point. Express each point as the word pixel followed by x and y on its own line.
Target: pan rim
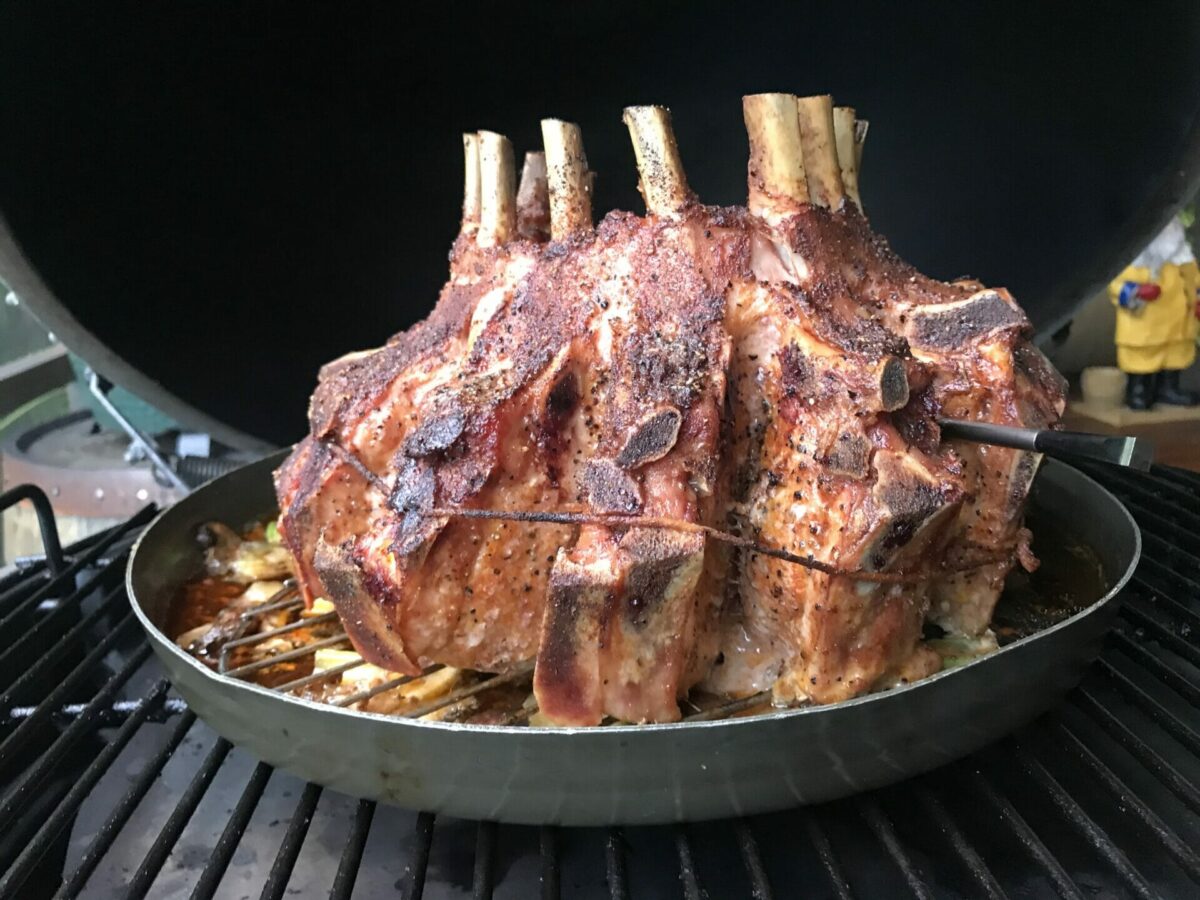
pixel 165 644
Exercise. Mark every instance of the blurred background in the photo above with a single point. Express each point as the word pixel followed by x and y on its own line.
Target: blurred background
pixel 204 203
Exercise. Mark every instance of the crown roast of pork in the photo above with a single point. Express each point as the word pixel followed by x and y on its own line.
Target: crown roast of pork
pixel 538 470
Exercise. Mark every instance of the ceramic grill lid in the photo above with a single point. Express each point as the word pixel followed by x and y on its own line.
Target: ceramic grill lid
pixel 207 208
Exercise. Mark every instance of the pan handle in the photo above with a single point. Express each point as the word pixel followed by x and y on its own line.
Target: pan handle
pixel 1120 450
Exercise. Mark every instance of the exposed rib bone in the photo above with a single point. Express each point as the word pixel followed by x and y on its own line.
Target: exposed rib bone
pixel 497 183
pixel 847 151
pixel 943 326
pixel 570 181
pixel 661 177
pixel 470 210
pixel 893 385
pixel 820 150
pixel 533 199
pixel 860 137
pixel 775 173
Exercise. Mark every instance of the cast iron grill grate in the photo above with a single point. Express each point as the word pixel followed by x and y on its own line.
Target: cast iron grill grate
pixel 109 786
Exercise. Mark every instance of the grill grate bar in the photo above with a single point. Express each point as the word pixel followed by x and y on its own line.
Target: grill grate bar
pixel 1147 515
pixel 59 648
pixel 1161 633
pixel 820 841
pixel 27 729
pixel 18 585
pixel 113 714
pixel 883 829
pixel 1110 474
pixel 66 577
pixel 124 809
pixel 143 878
pixel 22 793
pixel 1150 485
pixel 760 885
pixel 1145 518
pixel 289 848
pixel 62 815
pixel 688 876
pixel 1155 666
pixel 1182 479
pixel 970 857
pixel 1169 551
pixel 1121 733
pixel 1151 707
pixel 1188 586
pixel 1053 869
pixel 419 863
pixel 1180 852
pixel 347 871
pixel 485 861
pixel 1185 582
pixel 1162 599
pixel 288 656
pixel 42 632
pixel 222 853
pixel 548 848
pixel 30 568
pixel 1084 824
pixel 614 865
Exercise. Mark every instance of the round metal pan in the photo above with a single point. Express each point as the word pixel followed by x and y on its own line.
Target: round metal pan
pixel 646 773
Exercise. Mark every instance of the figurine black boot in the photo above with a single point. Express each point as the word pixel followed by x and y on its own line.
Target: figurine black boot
pixel 1140 390
pixel 1171 393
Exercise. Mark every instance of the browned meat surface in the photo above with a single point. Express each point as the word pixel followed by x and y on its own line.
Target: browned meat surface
pixel 821 471
pixel 773 371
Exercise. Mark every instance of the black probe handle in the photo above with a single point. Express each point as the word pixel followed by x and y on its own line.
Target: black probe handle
pixel 1136 453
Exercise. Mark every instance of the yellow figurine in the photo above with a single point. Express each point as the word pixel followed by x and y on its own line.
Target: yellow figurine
pixel 1157 311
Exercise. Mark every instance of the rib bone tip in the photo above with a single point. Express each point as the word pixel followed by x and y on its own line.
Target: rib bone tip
pixel 533 198
pixel 569 179
pixel 820 150
pixel 775 172
pixel 497 181
pixel 845 128
pixel 471 192
pixel 661 177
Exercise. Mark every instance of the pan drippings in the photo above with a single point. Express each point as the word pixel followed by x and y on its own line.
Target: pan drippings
pixel 233 624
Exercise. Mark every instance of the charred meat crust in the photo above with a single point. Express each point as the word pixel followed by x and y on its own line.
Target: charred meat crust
pixel 348 387
pixel 893 385
pixel 652 439
pixel 435 434
pixel 413 494
pixel 608 488
pixel 850 456
pixel 656 558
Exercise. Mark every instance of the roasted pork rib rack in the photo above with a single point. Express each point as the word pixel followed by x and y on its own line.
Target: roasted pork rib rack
pixel 536 471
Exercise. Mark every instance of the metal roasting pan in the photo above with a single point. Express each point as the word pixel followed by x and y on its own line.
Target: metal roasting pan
pixel 636 774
